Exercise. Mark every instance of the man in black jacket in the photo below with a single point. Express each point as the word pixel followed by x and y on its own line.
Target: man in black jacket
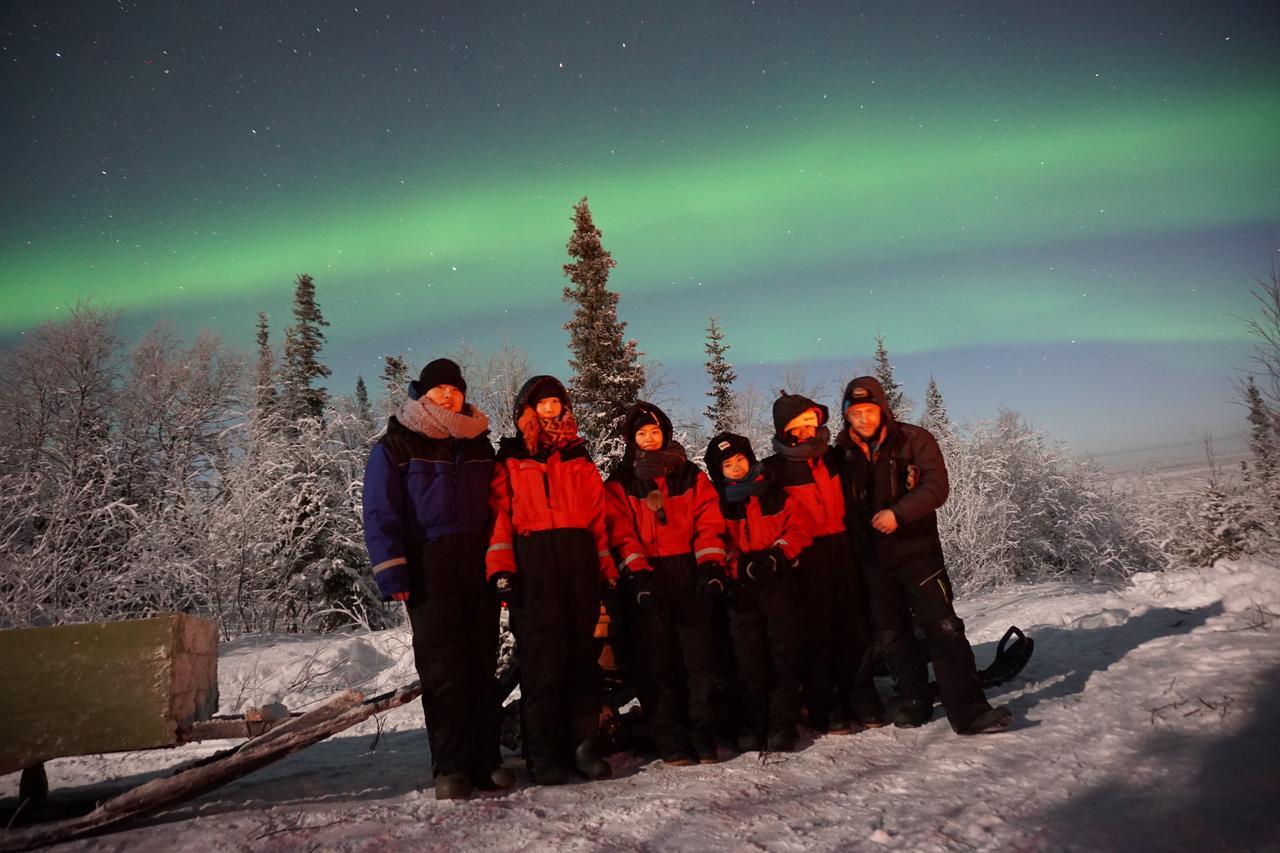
pixel 895 479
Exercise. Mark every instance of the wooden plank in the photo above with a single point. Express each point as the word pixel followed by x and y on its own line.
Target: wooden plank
pixel 340 712
pixel 103 686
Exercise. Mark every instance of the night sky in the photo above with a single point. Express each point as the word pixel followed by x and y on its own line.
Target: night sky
pixel 1057 207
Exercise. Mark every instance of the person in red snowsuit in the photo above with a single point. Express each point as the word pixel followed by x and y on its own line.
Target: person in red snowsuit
pixel 837 673
pixel 666 529
pixel 548 556
pixel 767 531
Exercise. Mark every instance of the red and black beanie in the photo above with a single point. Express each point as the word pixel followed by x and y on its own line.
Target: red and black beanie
pixel 788 407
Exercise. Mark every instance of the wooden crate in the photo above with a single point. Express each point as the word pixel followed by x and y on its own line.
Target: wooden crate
pixel 103 686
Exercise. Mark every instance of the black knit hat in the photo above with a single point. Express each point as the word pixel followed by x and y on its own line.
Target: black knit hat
pixel 442 371
pixel 725 446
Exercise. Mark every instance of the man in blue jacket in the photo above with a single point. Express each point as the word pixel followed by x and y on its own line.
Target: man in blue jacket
pixel 426 520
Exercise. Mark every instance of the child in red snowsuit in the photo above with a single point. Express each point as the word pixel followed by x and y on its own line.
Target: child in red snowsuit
pixel 666 529
pixel 837 674
pixel 548 553
pixel 767 531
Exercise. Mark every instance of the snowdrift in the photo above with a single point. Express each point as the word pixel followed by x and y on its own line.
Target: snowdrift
pixel 1149 718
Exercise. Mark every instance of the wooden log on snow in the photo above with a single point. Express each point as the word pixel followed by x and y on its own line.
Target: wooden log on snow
pixel 342 711
pixel 104 686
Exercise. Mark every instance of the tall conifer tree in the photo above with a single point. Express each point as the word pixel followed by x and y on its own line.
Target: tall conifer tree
pixel 395 377
pixel 883 371
pixel 363 407
pixel 266 399
pixel 607 373
pixel 935 418
pixel 302 345
pixel 1262 430
pixel 720 411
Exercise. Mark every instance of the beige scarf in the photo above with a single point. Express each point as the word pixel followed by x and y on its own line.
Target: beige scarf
pixel 426 418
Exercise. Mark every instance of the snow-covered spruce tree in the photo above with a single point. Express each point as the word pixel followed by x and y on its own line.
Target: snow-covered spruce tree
pixel 395 381
pixel 302 365
pixel 360 399
pixel 266 397
pixel 935 418
pixel 720 411
pixel 607 373
pixel 1261 478
pixel 1263 438
pixel 883 371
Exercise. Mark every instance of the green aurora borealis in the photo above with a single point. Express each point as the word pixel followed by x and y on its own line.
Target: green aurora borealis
pixel 1017 216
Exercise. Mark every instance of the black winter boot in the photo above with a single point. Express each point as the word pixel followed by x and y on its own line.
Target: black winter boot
pixel 589 764
pixel 549 774
pixel 704 746
pixel 868 710
pixel 498 779
pixel 912 713
pixel 453 786
pixel 781 741
pixel 992 720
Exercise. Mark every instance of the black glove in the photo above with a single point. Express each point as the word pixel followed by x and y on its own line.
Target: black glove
pixel 764 564
pixel 643 588
pixel 506 588
pixel 710 584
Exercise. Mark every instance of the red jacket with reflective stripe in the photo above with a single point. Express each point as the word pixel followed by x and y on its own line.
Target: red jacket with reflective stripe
pixel 555 491
pixel 774 518
pixel 815 483
pixel 689 520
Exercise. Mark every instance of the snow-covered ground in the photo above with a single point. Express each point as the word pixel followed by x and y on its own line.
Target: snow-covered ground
pixel 1149 719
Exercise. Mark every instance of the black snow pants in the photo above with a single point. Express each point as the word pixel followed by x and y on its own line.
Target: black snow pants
pixel 554 623
pixel 676 644
pixel 922 590
pixel 837 648
pixel 455 649
pixel 765 621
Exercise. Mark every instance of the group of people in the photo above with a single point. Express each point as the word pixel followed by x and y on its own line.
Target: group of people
pixel 824 555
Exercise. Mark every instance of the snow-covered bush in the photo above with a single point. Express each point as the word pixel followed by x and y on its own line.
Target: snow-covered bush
pixel 1021 508
pixel 1221 517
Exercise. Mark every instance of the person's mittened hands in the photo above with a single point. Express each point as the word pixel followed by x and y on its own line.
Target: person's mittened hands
pixel 643 587
pixel 762 565
pixel 885 521
pixel 710 584
pixel 506 588
pixel 400 596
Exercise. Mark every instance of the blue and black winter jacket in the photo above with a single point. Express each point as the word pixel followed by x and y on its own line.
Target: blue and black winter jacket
pixel 418 490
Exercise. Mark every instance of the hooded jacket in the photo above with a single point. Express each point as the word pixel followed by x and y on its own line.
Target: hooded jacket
pixel 417 490
pixel 553 489
pixel 669 516
pixel 876 478
pixel 770 519
pixel 814 483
